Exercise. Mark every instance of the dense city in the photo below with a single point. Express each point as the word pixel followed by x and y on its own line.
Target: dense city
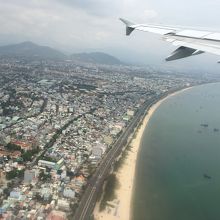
pixel 57 121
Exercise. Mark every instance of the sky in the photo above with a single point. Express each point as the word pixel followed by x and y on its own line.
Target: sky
pixel 93 25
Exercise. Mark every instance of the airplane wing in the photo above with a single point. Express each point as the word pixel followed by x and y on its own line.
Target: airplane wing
pixel 190 42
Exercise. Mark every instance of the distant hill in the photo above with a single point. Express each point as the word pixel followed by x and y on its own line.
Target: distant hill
pixel 30 50
pixel 97 57
pixel 33 51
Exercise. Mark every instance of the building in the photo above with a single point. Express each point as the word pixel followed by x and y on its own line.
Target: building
pixel 15 155
pixel 52 165
pixel 69 193
pixel 15 194
pixel 63 205
pixel 46 193
pixel 59 164
pixel 45 163
pixel 97 152
pixel 29 176
pixel 56 215
pixel 130 113
pixel 4 140
pixel 23 145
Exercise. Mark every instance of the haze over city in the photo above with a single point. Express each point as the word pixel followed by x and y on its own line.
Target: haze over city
pixel 93 25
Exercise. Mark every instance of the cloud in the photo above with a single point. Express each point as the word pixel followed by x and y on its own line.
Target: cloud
pixel 92 23
pixel 81 25
pixel 100 8
pixel 150 13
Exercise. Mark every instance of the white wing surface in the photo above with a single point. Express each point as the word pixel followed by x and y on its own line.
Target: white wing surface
pixel 190 42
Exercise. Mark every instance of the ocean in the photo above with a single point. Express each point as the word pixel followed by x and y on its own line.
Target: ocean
pixel 178 167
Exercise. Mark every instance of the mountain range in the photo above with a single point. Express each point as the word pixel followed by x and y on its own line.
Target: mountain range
pixel 96 57
pixel 30 50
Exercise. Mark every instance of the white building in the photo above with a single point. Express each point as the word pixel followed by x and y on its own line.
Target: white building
pixel 29 176
pixel 63 204
pixel 69 193
pixel 45 163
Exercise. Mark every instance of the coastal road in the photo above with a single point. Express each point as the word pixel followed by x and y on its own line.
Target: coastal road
pixel 88 200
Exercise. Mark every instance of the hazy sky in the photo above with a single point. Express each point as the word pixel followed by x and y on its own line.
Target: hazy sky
pixel 91 25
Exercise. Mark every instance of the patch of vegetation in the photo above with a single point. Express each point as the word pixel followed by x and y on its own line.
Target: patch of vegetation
pixel 14 173
pixel 86 86
pixel 27 155
pixel 12 147
pixel 122 158
pixel 44 177
pixel 109 191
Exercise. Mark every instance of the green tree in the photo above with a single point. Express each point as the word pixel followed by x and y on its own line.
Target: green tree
pixel 14 173
pixel 13 147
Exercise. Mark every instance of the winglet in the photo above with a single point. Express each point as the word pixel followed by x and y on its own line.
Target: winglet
pixel 129 25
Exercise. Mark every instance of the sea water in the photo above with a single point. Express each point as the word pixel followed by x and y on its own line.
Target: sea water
pixel 178 167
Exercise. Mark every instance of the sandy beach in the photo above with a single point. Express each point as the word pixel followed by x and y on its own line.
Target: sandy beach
pixel 120 208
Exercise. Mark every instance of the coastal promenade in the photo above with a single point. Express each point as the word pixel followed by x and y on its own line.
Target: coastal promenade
pixel 89 198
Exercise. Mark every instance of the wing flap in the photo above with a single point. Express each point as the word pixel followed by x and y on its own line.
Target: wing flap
pixel 202 45
pixel 183 52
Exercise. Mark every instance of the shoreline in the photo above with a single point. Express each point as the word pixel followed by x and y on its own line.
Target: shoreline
pixel 118 208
